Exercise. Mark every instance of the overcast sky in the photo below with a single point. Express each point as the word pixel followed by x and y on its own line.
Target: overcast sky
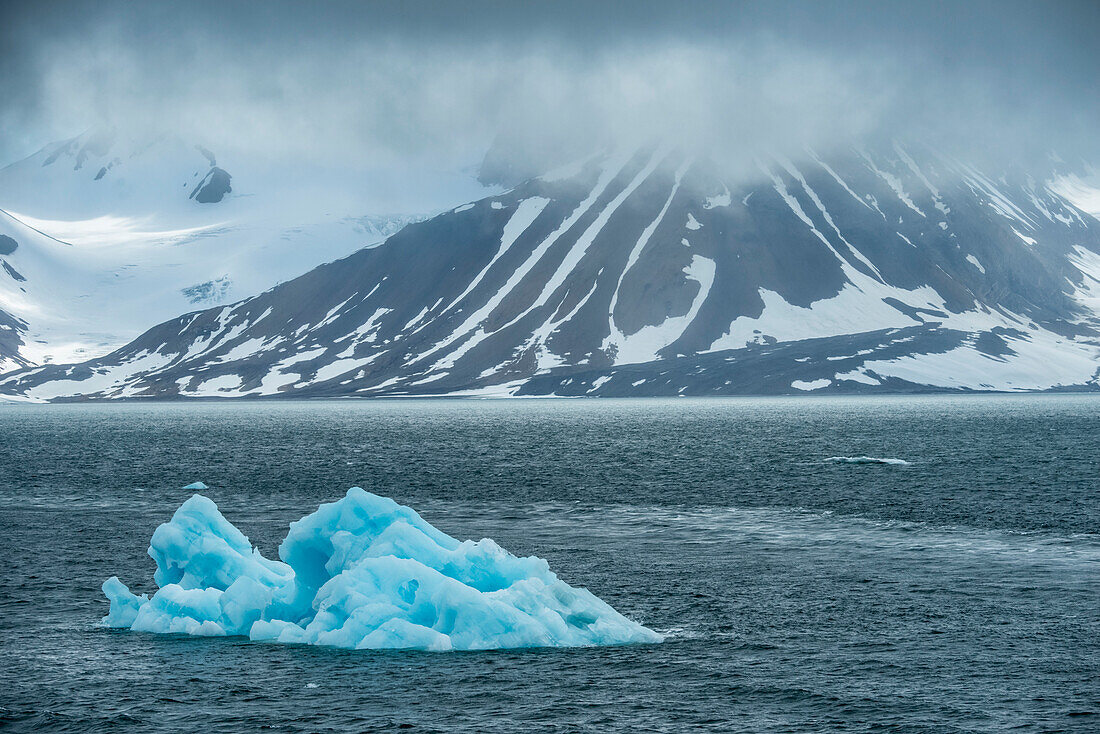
pixel 351 82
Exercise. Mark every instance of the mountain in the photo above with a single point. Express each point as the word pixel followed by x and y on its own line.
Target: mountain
pixel 651 273
pixel 110 235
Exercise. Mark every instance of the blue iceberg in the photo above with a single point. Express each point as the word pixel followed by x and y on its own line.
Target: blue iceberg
pixel 363 572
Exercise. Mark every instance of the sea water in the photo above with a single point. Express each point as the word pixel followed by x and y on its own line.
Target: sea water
pixel 959 591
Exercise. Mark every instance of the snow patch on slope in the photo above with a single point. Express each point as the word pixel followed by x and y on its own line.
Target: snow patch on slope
pixel 1042 360
pixel 644 344
pixel 810 385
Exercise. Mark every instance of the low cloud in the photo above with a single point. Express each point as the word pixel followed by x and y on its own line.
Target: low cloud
pixel 336 88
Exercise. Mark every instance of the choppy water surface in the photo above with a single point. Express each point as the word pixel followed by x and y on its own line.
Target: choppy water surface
pixel 960 592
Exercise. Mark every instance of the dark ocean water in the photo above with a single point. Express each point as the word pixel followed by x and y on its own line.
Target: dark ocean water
pixel 959 593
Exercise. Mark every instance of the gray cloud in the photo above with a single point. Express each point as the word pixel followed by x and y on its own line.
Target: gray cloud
pixel 349 83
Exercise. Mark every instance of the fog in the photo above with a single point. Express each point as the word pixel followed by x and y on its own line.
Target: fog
pixel 388 83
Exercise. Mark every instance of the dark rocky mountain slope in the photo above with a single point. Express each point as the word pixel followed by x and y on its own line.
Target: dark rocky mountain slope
pixel 650 273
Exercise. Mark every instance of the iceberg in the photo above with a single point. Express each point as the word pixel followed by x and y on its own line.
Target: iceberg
pixel 363 572
pixel 196 485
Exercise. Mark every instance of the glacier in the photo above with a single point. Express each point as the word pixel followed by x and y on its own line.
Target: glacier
pixel 363 572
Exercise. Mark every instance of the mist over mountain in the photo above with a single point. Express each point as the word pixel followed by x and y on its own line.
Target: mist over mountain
pixel 390 82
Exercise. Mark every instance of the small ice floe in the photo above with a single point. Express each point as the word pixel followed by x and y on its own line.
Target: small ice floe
pixel 865 460
pixel 196 485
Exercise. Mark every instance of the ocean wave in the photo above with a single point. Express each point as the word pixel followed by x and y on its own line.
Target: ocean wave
pixel 865 460
pixel 796 528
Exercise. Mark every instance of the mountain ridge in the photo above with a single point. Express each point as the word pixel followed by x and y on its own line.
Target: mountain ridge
pixel 650 260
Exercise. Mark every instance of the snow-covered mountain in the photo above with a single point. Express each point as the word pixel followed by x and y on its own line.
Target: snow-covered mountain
pixel 109 235
pixel 649 273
